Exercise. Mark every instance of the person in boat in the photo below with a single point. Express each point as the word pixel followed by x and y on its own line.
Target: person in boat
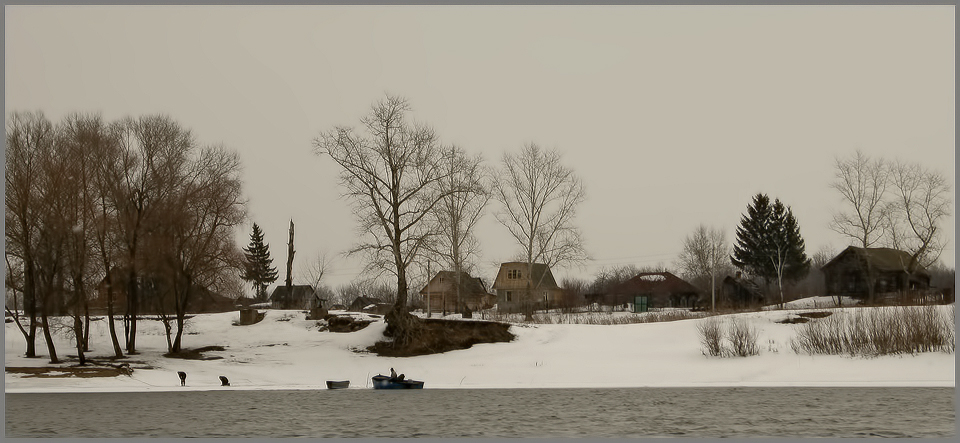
pixel 394 376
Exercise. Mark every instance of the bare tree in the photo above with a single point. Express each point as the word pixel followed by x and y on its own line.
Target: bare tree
pixel 314 269
pixel 392 174
pixel 83 139
pixel 921 202
pixel 199 229
pixel 26 136
pixel 862 182
pixel 704 257
pixel 465 191
pixel 154 151
pixel 540 198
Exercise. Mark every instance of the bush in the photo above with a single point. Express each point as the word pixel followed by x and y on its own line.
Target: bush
pixel 879 331
pixel 741 339
pixel 711 336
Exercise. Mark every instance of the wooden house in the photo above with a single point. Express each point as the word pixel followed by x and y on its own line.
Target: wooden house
pixel 154 296
pixel 740 292
pixel 661 289
pixel 887 270
pixel 440 294
pixel 299 297
pixel 369 305
pixel 520 286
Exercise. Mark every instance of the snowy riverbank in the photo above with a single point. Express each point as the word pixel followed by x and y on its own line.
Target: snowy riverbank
pixel 285 351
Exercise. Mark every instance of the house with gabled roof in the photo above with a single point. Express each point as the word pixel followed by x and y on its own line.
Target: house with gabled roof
pixel 299 297
pixel 520 285
pixel 661 289
pixel 887 270
pixel 441 293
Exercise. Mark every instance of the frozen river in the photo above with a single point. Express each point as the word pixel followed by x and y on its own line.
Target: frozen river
pixel 618 413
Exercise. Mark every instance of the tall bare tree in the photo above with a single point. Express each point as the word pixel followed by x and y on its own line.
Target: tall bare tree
pixel 205 211
pixel 922 200
pixel 540 197
pixel 154 152
pixel 704 257
pixel 27 135
pixel 863 183
pixel 392 175
pixel 83 139
pixel 466 191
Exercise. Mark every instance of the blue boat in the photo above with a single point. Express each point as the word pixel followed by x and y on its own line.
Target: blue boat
pixel 385 382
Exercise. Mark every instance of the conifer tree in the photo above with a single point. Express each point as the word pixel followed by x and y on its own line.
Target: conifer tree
pixel 258 269
pixel 769 244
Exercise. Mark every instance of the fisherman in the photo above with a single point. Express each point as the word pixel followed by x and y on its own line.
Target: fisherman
pixel 183 378
pixel 393 375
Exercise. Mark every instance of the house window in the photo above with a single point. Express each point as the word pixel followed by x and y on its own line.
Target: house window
pixel 513 274
pixel 509 296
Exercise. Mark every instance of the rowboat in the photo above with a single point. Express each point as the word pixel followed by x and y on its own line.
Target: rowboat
pixel 384 382
pixel 338 384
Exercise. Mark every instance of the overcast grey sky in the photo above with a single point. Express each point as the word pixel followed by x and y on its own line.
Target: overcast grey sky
pixel 672 115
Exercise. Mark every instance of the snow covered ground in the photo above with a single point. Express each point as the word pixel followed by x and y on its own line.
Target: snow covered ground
pixel 285 351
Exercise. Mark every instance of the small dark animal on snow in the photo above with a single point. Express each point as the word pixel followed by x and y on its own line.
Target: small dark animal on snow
pixel 224 381
pixel 183 378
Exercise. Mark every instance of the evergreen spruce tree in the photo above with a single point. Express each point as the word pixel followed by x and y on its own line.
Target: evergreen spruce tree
pixel 769 244
pixel 258 269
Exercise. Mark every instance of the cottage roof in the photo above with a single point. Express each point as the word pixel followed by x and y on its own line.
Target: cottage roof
pixel 542 277
pixel 298 292
pixel 468 284
pixel 655 282
pixel 882 259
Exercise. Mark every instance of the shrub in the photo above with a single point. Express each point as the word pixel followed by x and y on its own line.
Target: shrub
pixel 879 331
pixel 711 336
pixel 741 339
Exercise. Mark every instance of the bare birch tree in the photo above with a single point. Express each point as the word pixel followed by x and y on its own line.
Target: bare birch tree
pixel 862 182
pixel 392 174
pixel 540 197
pixel 465 189
pixel 921 201
pixel 705 256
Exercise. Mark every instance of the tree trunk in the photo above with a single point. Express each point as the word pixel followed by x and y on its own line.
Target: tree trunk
pixel 133 307
pixel 48 338
pixel 30 308
pixel 86 328
pixel 401 325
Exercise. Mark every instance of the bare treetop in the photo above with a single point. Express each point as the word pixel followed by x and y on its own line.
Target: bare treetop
pixel 540 197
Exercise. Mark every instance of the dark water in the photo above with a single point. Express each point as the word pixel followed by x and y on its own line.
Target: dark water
pixel 620 413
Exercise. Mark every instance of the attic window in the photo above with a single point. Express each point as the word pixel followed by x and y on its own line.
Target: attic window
pixel 513 274
pixel 439 279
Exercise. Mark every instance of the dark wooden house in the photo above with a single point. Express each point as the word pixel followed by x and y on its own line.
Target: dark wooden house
pixel 440 294
pixel 740 292
pixel 661 289
pixel 520 286
pixel 155 295
pixel 888 271
pixel 299 297
pixel 369 305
